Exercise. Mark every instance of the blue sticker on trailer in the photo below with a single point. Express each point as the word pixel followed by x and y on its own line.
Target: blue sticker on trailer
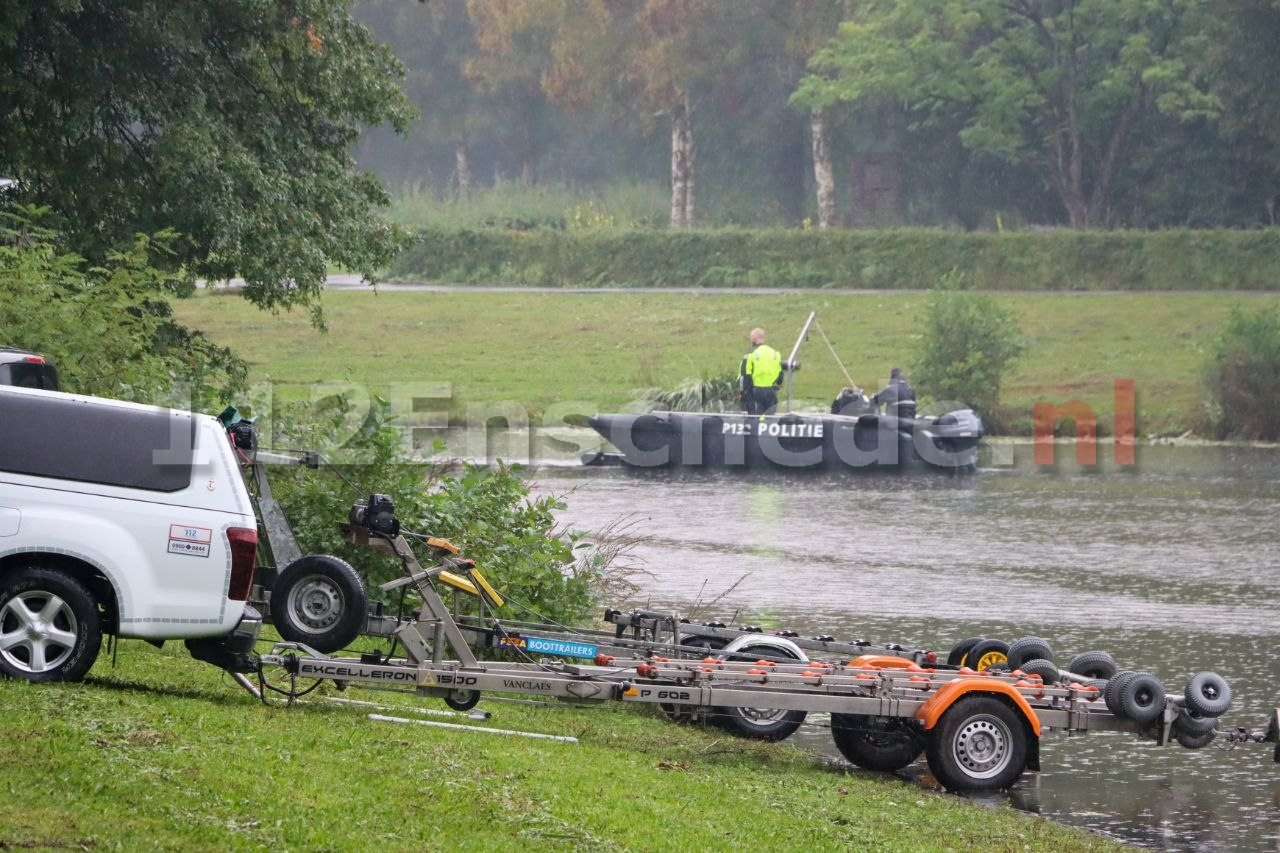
pixel 542 645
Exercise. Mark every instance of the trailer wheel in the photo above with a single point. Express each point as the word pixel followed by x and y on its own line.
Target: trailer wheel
pixel 49 626
pixel 980 744
pixel 1028 648
pixel 461 699
pixel 1194 732
pixel 319 600
pixel 1190 740
pixel 1093 665
pixel 1208 694
pixel 986 654
pixel 1045 669
pixel 960 649
pixel 1194 723
pixel 875 743
pixel 759 723
pixel 1111 693
pixel 1141 698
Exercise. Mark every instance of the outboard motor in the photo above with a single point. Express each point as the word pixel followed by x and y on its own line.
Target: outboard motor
pixel 851 401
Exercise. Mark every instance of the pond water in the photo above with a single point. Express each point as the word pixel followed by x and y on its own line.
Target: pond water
pixel 1171 564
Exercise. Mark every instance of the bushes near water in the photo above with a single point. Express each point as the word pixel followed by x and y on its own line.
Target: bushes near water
pixel 1054 260
pixel 1244 376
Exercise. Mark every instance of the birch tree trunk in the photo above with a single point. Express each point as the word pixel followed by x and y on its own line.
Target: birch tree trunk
pixel 462 167
pixel 682 154
pixel 823 177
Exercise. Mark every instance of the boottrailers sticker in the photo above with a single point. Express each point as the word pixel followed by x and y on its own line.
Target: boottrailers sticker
pixel 542 645
pixel 192 541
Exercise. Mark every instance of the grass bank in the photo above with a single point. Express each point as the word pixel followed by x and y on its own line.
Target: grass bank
pixel 163 753
pixel 565 351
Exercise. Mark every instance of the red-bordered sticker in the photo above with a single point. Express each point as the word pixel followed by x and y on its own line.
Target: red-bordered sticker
pixel 185 533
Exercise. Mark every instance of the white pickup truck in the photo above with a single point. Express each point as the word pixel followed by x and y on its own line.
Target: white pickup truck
pixel 122 519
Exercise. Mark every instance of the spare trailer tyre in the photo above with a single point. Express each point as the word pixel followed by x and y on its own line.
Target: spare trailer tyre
pixel 1208 694
pixel 960 649
pixel 1141 698
pixel 1028 648
pixel 319 601
pixel 1111 693
pixel 875 743
pixel 986 654
pixel 1093 665
pixel 1044 668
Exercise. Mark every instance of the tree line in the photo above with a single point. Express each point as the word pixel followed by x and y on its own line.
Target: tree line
pixel 1087 113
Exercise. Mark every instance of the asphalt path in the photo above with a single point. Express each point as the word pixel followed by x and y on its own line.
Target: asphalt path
pixel 351 281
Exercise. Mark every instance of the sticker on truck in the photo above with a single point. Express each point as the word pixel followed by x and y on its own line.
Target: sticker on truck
pixel 192 541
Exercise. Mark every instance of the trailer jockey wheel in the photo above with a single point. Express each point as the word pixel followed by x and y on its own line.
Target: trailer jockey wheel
pixel 462 700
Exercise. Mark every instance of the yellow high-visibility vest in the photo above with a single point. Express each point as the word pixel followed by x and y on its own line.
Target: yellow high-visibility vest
pixel 764 366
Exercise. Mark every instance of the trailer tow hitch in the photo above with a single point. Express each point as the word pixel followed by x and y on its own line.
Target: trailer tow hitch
pixel 1271 735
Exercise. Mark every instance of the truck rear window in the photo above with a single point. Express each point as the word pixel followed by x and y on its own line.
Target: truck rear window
pixel 69 439
pixel 29 375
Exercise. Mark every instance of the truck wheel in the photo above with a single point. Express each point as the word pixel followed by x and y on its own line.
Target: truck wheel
pixel 1208 694
pixel 758 723
pixel 875 743
pixel 1028 648
pixel 1093 665
pixel 49 626
pixel 980 744
pixel 320 601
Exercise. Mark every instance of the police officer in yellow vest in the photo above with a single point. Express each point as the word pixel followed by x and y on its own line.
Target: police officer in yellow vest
pixel 760 377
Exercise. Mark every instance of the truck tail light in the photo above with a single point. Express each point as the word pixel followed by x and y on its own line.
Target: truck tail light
pixel 243 542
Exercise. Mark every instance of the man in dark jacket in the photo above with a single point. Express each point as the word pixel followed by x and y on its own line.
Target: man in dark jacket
pixel 898 397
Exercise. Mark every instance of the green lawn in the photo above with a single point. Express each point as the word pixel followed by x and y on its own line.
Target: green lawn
pixel 596 351
pixel 162 753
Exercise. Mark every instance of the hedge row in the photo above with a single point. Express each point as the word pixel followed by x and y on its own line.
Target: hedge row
pixel 877 259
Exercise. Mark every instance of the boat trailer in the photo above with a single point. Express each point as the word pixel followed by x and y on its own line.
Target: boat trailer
pixel 979 729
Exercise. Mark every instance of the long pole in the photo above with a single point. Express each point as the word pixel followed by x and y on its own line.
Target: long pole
pixel 795 350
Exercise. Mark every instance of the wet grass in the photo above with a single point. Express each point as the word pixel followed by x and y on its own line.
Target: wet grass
pixel 563 351
pixel 164 753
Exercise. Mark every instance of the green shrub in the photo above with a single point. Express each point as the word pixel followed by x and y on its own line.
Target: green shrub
pixel 895 258
pixel 491 514
pixel 967 343
pixel 717 393
pixel 1244 376
pixel 108 328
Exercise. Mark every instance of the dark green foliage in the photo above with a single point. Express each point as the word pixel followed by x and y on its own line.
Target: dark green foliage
pixel 1244 376
pixel 491 514
pixel 108 327
pixel 967 341
pixel 876 259
pixel 717 393
pixel 229 122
